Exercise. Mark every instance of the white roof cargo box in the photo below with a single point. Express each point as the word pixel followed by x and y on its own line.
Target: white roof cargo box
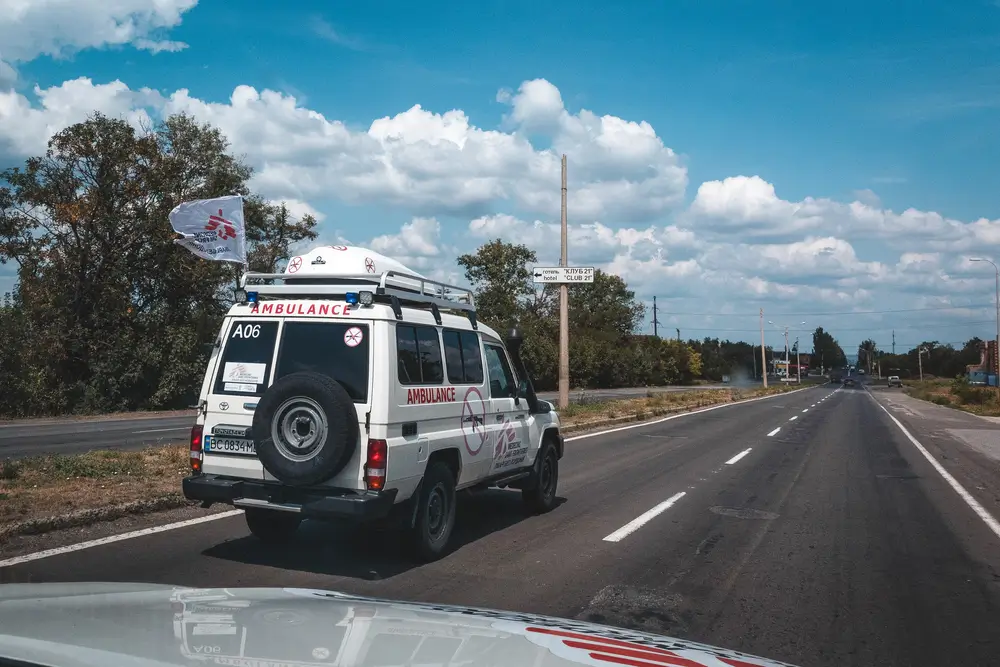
pixel 337 271
pixel 343 260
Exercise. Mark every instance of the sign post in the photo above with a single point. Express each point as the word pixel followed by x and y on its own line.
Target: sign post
pixel 564 302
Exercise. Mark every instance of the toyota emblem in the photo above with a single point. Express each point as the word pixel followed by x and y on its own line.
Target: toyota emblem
pixel 223 405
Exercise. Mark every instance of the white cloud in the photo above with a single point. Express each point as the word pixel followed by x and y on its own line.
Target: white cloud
pixel 25 128
pixel 299 209
pixel 421 160
pixel 31 28
pixel 750 206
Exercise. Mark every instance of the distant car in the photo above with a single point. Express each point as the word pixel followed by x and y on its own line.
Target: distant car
pixel 849 382
pixel 894 381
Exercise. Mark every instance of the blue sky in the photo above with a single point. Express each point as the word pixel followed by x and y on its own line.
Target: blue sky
pixel 893 104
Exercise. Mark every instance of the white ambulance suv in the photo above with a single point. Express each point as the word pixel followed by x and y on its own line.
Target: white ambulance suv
pixel 349 387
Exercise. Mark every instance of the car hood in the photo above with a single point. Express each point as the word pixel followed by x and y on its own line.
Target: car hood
pixel 142 625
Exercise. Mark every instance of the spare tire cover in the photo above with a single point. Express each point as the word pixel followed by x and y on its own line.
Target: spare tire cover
pixel 305 428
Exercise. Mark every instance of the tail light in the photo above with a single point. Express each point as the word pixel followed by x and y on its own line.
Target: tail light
pixel 196 454
pixel 378 458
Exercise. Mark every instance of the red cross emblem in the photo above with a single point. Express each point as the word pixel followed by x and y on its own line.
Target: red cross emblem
pixel 295 264
pixel 369 265
pixel 224 228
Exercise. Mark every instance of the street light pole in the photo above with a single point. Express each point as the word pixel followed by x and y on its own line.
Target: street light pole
pixel 996 271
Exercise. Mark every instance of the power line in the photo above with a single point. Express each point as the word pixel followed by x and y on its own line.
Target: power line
pixel 839 329
pixel 828 312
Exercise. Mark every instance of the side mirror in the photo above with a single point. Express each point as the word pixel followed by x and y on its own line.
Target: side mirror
pixel 207 348
pixel 544 407
pixel 514 340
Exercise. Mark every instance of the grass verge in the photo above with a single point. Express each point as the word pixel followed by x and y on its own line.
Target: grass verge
pixel 48 493
pixel 958 394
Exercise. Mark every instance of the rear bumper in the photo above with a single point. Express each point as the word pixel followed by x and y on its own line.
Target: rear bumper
pixel 309 503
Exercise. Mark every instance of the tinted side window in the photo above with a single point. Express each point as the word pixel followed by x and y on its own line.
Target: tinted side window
pixel 501 378
pixel 418 354
pixel 245 365
pixel 463 357
pixel 338 350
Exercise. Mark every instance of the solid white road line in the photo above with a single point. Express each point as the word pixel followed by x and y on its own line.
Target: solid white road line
pixel 980 511
pixel 791 419
pixel 644 518
pixel 27 558
pixel 773 432
pixel 738 456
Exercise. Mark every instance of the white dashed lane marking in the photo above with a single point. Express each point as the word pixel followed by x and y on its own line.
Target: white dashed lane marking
pixel 791 419
pixel 644 518
pixel 773 432
pixel 738 456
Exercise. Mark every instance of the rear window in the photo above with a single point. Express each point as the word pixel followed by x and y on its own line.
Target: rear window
pixel 334 349
pixel 246 358
pixel 338 350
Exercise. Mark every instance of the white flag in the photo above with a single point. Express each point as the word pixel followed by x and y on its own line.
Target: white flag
pixel 212 228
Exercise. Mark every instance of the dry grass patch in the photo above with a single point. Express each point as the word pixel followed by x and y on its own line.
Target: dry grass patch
pixel 655 404
pixel 39 487
pixel 978 400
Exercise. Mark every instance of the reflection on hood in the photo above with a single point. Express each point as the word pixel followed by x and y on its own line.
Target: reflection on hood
pixel 140 625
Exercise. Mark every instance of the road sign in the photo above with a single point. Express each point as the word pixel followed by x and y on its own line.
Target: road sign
pixel 563 274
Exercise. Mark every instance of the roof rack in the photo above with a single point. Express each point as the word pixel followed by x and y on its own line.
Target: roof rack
pixel 398 287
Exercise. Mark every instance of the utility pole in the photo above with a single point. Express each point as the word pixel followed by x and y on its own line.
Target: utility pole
pixel 894 342
pixel 920 361
pixel 655 321
pixel 678 335
pixel 798 361
pixel 763 355
pixel 564 305
pixel 788 372
pixel 754 358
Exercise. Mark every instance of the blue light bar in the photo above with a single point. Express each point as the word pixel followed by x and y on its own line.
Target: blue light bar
pixel 251 297
pixel 351 298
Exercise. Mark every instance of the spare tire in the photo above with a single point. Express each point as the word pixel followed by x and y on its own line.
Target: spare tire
pixel 305 428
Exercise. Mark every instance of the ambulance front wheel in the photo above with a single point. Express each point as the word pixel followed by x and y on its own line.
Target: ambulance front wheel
pixel 540 497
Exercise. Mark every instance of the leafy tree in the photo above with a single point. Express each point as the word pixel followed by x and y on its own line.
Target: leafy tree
pixel 866 355
pixel 501 279
pixel 110 311
pixel 826 350
pixel 606 307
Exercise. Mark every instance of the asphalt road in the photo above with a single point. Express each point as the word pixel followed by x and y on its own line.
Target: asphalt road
pixel 811 529
pixel 75 436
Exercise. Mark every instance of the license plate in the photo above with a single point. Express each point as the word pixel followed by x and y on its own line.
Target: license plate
pixel 229 446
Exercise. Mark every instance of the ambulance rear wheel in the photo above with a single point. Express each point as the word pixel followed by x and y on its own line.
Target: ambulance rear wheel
pixel 541 496
pixel 271 526
pixel 434 518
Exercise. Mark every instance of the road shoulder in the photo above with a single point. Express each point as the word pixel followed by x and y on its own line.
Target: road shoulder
pixel 965 445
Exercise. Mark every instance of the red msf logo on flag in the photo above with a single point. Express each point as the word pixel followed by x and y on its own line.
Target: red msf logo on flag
pixel 224 228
